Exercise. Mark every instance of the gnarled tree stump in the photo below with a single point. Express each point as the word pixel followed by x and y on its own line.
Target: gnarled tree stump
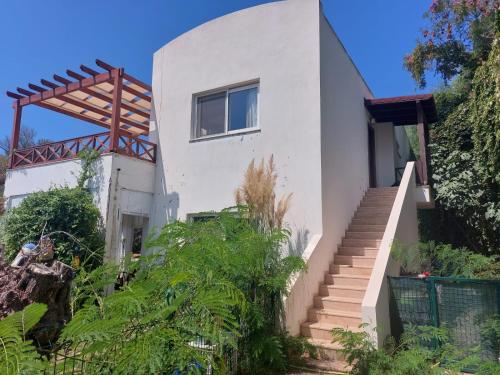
pixel 49 283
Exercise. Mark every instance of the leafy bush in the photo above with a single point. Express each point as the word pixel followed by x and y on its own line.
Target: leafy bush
pixel 252 260
pixel 57 212
pixel 444 260
pixel 465 163
pixel 18 354
pixel 221 280
pixel 421 350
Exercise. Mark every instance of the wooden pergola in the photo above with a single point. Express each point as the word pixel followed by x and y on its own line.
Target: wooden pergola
pixel 419 110
pixel 107 97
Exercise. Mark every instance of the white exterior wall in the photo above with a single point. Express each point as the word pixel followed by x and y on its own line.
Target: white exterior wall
pixel 344 166
pixel 122 185
pixel 402 147
pixel 21 182
pixel 384 154
pixel 275 43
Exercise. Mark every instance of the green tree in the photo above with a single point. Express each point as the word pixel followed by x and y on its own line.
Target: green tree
pixel 457 41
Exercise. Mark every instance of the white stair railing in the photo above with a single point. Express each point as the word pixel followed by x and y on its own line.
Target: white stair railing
pixel 402 227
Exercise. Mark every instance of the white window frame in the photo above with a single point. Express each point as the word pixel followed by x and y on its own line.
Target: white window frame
pixel 226 132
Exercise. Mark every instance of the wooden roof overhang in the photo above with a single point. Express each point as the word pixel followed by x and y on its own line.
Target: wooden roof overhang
pixel 107 97
pixel 402 110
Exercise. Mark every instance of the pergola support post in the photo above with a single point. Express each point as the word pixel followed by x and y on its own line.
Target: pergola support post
pixel 116 109
pixel 422 141
pixel 16 130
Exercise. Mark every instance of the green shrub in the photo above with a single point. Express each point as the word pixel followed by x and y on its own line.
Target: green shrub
pixel 465 163
pixel 444 260
pixel 67 214
pixel 421 350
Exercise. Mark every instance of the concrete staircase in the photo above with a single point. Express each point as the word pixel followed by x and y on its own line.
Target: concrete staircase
pixel 338 303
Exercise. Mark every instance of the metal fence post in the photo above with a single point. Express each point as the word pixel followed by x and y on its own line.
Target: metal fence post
pixel 433 303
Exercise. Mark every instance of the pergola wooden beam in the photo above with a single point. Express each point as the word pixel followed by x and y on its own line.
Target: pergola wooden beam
pixel 14 95
pixel 115 118
pixel 36 87
pixel 106 97
pixel 136 93
pixel 48 84
pixel 129 78
pixel 16 128
pixel 66 89
pixel 93 96
pixel 100 111
pixel 80 117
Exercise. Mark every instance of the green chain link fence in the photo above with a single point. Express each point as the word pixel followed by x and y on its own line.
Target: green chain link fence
pixel 467 308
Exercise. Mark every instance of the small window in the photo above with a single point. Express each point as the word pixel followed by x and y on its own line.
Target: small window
pixel 202 217
pixel 226 112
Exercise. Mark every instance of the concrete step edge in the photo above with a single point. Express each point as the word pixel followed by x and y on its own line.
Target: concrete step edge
pixel 340 299
pixel 345 287
pixel 347 276
pixel 355 256
pixel 328 326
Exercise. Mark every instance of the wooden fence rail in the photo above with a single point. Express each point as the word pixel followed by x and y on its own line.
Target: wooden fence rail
pixel 70 148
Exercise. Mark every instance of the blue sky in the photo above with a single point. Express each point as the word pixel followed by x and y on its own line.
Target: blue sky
pixel 40 38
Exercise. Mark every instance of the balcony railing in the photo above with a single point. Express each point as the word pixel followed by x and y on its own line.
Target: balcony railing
pixel 70 148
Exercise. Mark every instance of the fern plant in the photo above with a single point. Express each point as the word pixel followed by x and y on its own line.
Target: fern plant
pixel 219 282
pixel 420 350
pixel 18 355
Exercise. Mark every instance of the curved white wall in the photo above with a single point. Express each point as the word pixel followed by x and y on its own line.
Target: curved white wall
pixel 275 43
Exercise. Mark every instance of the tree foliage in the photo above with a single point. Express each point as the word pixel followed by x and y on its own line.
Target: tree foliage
pixel 465 160
pixel 18 355
pixel 221 280
pixel 457 41
pixel 68 215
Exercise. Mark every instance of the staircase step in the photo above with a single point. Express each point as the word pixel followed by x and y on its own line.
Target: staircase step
pixel 360 242
pixel 326 366
pixel 347 280
pixel 342 291
pixel 375 220
pixel 340 297
pixel 328 350
pixel 383 190
pixel 321 319
pixel 377 203
pixel 354 260
pixel 358 250
pixel 344 269
pixel 366 228
pixel 338 303
pixel 374 210
pixel 362 235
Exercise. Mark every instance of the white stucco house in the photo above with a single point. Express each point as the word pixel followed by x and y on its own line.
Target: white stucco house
pixel 269 80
